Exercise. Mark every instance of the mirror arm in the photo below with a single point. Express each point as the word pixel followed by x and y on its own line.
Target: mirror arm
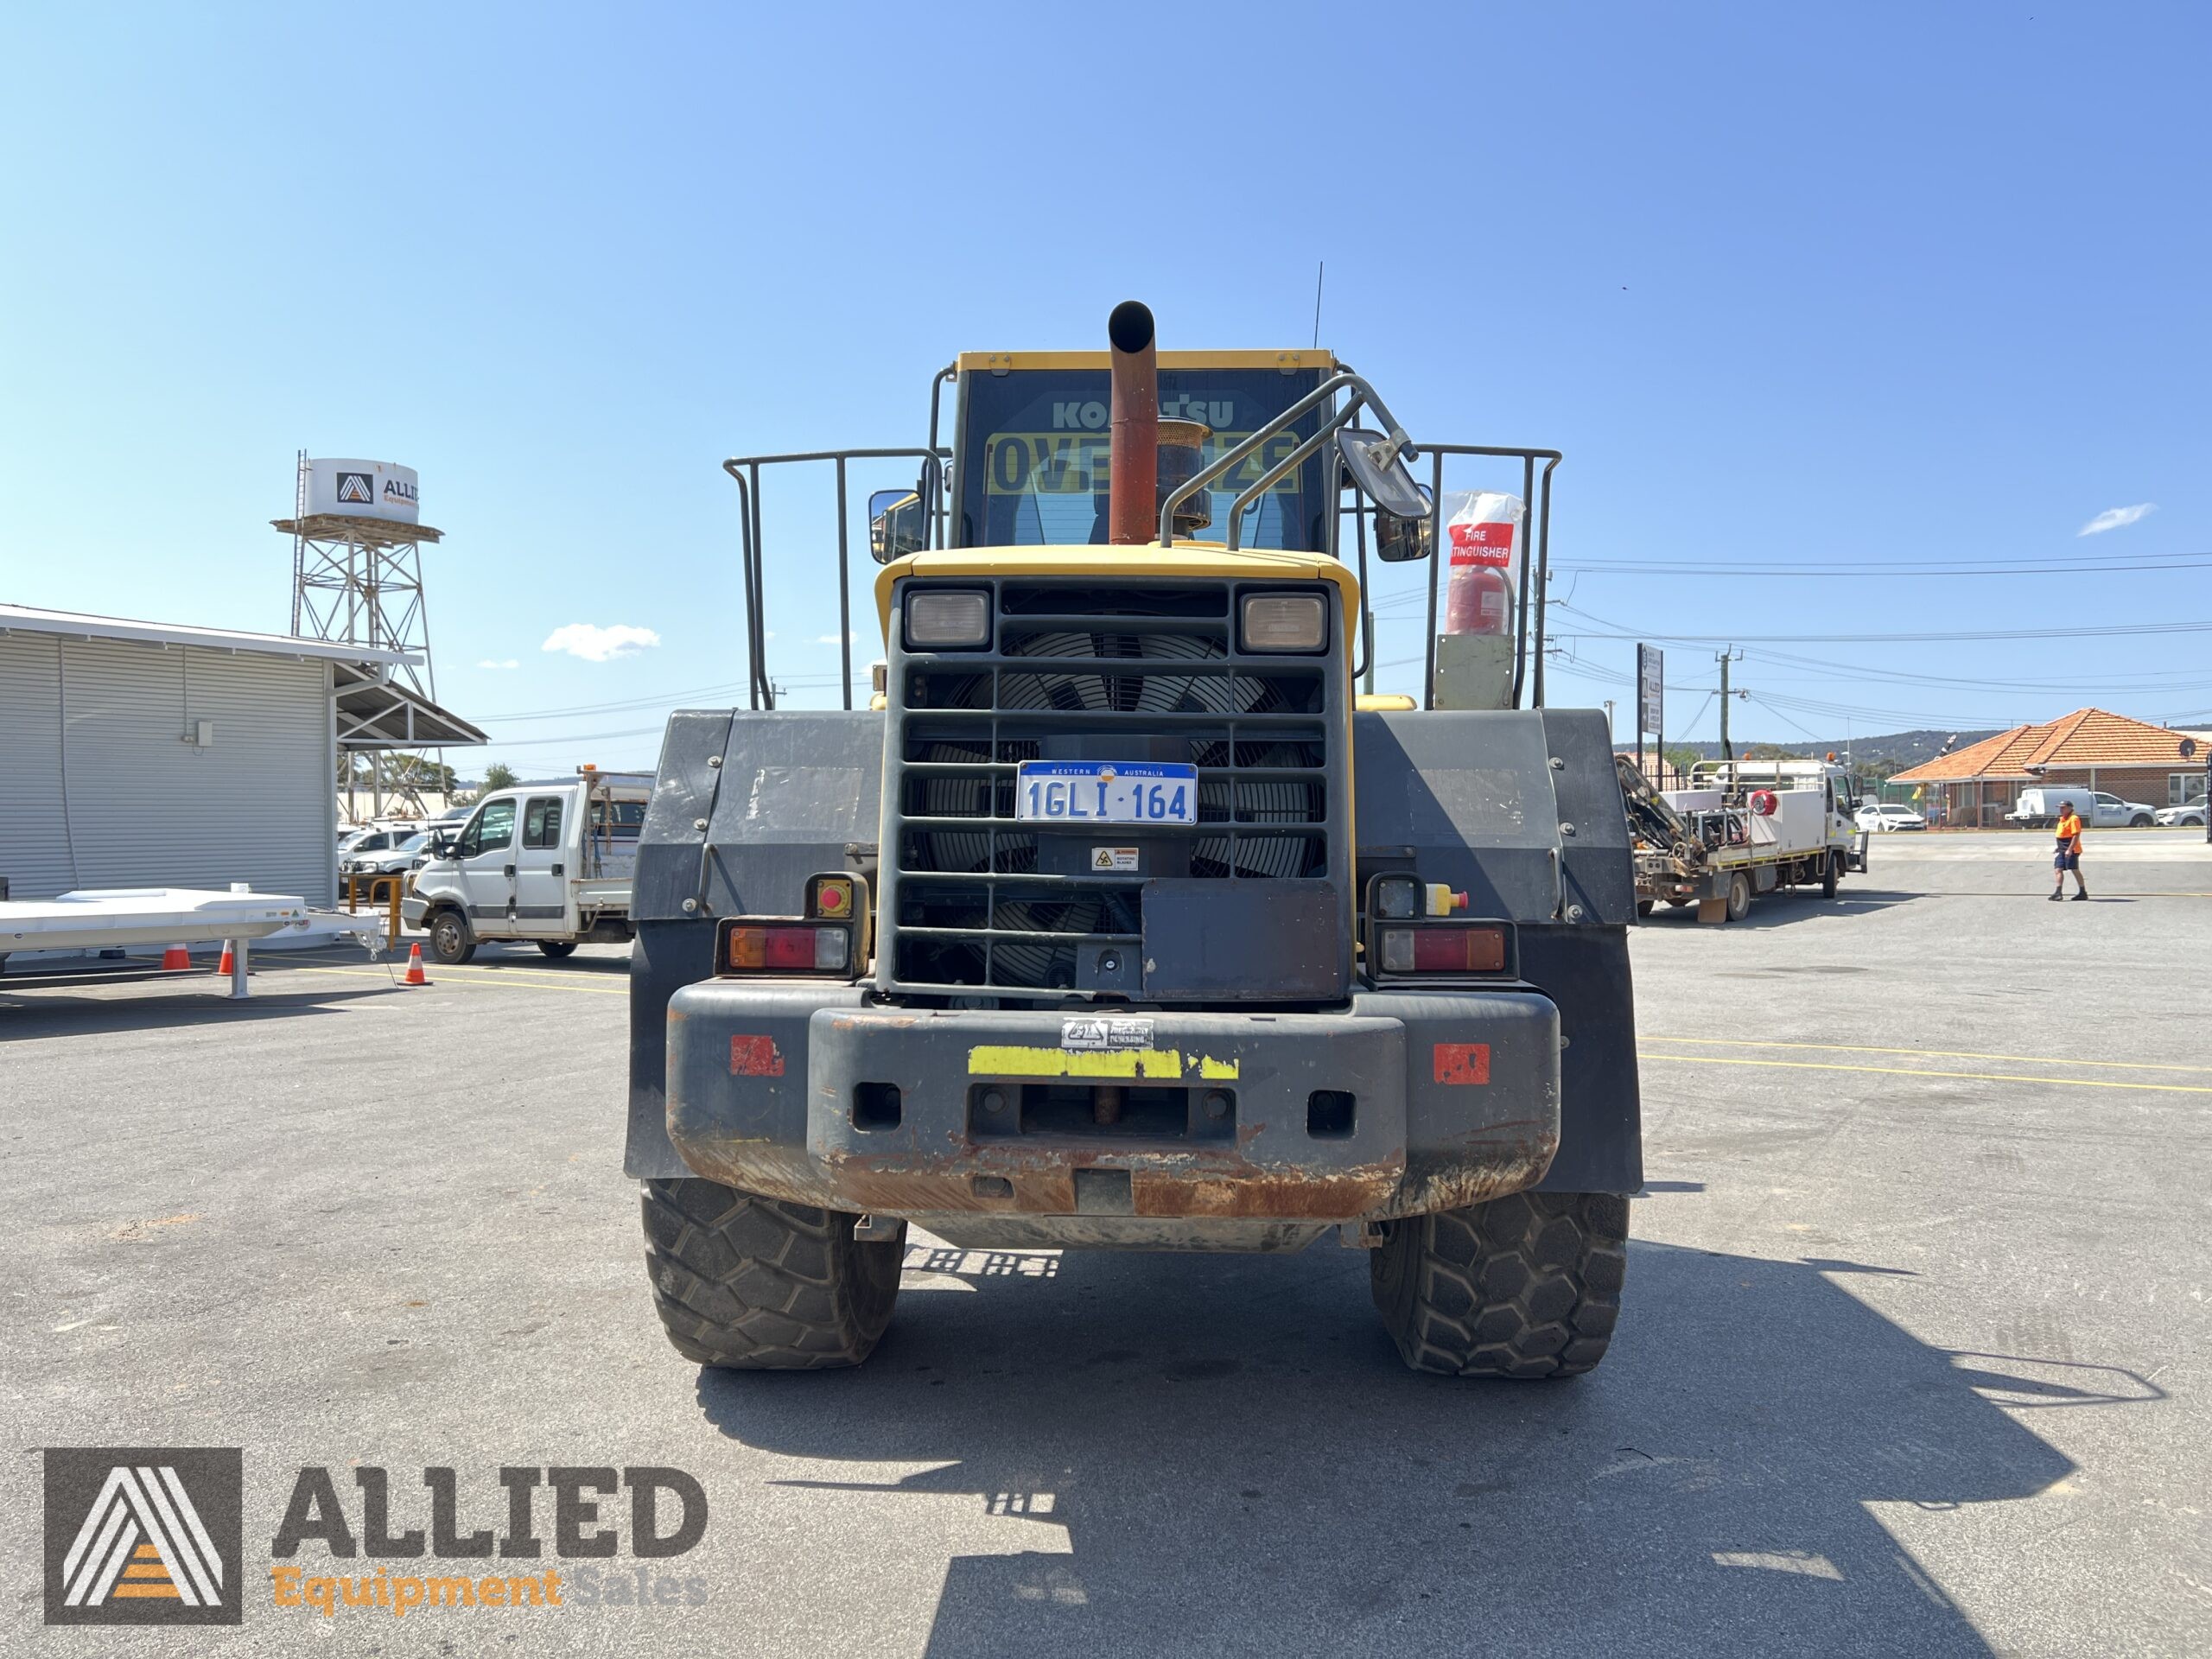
pixel 1289 464
pixel 1232 458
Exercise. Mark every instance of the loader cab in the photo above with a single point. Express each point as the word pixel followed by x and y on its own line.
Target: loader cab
pixel 1029 464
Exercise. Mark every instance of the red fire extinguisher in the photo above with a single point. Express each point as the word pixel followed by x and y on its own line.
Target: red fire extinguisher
pixel 1479 599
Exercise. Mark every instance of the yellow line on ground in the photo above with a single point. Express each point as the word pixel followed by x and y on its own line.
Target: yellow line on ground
pixel 1910 1071
pixel 454 976
pixel 1930 1053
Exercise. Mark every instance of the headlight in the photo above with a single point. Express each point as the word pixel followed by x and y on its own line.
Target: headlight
pixel 1285 622
pixel 947 621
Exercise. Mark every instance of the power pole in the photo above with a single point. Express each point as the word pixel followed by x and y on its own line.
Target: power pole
pixel 1726 657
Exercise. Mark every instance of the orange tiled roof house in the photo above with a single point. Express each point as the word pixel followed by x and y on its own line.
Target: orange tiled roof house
pixel 1977 785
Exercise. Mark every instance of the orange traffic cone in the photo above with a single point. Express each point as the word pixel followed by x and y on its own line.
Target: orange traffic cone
pixel 176 958
pixel 226 967
pixel 414 974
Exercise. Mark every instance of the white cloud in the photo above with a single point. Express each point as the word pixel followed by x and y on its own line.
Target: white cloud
pixel 597 645
pixel 488 663
pixel 831 638
pixel 2116 518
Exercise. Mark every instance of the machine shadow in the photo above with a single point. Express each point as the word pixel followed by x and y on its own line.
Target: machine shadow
pixel 1224 1455
pixel 1786 909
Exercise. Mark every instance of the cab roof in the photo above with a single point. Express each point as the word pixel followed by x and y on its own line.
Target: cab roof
pixel 1007 362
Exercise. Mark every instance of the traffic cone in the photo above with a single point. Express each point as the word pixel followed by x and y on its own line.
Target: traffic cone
pixel 414 974
pixel 226 967
pixel 175 959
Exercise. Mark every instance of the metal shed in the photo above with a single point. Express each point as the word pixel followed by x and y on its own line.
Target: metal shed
pixel 147 754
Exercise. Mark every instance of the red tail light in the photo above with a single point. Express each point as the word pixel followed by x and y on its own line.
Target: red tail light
pixel 786 948
pixel 1448 948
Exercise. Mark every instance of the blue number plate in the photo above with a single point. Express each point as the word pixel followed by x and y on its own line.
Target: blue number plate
pixel 1106 791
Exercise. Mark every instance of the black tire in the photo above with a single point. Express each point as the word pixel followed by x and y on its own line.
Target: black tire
pixel 1680 904
pixel 453 941
pixel 1525 1287
pixel 2140 821
pixel 1739 897
pixel 559 949
pixel 1645 906
pixel 1831 873
pixel 752 1284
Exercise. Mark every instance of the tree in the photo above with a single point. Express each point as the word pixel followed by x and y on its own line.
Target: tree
pixel 498 775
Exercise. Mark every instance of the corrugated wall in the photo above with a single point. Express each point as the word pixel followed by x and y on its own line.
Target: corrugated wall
pixel 102 790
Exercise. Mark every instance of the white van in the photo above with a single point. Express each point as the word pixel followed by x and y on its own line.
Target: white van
pixel 2038 808
pixel 548 863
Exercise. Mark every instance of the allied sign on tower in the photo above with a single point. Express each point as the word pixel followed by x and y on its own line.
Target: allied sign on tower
pixel 363 489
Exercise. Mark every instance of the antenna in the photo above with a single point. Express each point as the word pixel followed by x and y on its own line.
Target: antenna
pixel 1320 266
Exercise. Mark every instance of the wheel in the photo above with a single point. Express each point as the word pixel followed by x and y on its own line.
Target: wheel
pixel 1645 906
pixel 559 949
pixel 1680 904
pixel 452 940
pixel 1739 897
pixel 754 1284
pixel 2140 821
pixel 1523 1286
pixel 1831 872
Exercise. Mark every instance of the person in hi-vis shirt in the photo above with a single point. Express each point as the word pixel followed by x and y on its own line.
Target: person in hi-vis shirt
pixel 2068 856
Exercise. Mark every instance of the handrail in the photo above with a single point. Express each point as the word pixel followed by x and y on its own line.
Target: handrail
pixel 746 471
pixel 1235 456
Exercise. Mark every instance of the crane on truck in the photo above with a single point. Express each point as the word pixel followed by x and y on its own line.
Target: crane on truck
pixel 1116 919
pixel 1740 828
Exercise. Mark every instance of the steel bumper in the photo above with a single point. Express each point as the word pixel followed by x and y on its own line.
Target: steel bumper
pixel 805 1092
pixel 413 910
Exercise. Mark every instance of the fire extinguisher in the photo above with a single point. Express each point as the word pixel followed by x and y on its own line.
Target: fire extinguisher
pixel 1479 599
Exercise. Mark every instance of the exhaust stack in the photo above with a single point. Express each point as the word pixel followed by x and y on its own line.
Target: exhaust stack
pixel 1133 460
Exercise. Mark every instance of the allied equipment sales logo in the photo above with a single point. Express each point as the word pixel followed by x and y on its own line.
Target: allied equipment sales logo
pixel 144 1536
pixel 357 487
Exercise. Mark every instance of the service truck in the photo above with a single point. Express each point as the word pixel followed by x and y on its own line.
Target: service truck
pixel 1739 829
pixel 550 862
pixel 1121 920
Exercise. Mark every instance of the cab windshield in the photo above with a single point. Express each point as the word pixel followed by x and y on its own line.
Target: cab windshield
pixel 1034 455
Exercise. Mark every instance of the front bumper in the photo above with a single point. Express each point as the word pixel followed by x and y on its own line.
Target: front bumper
pixel 807 1092
pixel 414 910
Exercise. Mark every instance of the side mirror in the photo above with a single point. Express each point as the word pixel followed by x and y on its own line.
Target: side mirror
pixel 896 524
pixel 1400 540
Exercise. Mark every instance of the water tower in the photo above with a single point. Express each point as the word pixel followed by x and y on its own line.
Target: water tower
pixel 357 576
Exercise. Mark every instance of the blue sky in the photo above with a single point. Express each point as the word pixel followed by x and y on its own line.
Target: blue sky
pixel 1869 287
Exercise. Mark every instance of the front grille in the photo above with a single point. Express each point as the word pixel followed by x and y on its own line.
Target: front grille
pixel 976 901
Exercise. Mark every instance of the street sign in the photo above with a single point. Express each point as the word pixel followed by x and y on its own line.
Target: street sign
pixel 1651 682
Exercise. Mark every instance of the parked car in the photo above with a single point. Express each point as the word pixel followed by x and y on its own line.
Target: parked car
pixel 388 860
pixel 1889 815
pixel 2193 813
pixel 2039 809
pixel 370 841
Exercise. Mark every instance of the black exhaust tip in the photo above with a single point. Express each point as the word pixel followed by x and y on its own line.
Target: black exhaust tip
pixel 1129 328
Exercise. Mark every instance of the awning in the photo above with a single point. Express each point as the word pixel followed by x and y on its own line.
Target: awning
pixel 389 714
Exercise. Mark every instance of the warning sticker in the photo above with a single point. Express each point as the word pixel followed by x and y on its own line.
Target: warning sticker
pixel 1105 1033
pixel 1122 859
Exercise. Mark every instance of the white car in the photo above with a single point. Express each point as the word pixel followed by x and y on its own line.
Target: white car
pixel 1889 815
pixel 2193 813
pixel 388 861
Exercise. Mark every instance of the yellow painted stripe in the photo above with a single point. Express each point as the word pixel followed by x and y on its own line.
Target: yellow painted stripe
pixel 146 1592
pixel 1011 1060
pixel 1935 1054
pixel 1914 1072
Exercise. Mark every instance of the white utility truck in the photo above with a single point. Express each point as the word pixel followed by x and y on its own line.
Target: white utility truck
pixel 1742 827
pixel 550 862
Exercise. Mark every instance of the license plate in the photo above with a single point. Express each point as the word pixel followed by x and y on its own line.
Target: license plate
pixel 1106 791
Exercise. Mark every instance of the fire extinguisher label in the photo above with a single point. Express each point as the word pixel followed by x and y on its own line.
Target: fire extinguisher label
pixel 1482 543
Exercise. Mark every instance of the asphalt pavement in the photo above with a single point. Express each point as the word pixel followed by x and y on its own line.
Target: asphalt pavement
pixel 1915 1357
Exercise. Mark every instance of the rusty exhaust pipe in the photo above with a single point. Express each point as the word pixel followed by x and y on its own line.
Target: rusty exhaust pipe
pixel 1133 460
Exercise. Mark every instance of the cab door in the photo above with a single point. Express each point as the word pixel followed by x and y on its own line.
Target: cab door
pixel 486 858
pixel 542 869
